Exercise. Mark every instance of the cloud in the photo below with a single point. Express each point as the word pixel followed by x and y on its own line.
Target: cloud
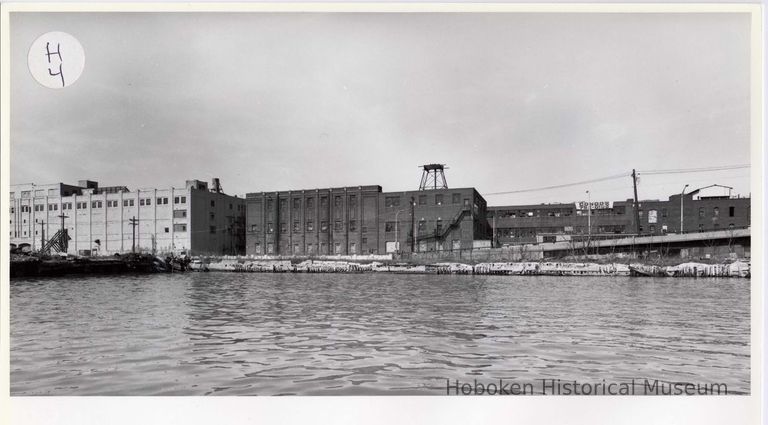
pixel 292 101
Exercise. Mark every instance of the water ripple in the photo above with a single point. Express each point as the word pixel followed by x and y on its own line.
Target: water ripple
pixel 366 334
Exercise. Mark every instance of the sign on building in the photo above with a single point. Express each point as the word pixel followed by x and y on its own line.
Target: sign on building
pixel 652 214
pixel 598 205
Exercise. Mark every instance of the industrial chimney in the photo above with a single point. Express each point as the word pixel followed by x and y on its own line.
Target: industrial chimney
pixel 216 185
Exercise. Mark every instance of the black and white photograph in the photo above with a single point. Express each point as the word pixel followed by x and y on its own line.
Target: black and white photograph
pixel 439 203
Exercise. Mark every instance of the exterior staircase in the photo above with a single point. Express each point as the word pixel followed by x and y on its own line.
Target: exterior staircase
pixel 454 223
pixel 58 242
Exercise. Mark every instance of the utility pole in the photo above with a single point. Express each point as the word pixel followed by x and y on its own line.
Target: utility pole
pixel 637 205
pixel 589 214
pixel 413 225
pixel 134 222
pixel 397 224
pixel 64 238
pixel 42 235
pixel 493 230
pixel 682 195
pixel 589 221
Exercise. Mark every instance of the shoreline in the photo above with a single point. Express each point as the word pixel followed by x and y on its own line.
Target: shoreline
pixel 737 268
pixel 32 266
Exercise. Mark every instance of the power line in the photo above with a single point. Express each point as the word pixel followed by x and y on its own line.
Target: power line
pixel 644 183
pixel 617 176
pixel 694 170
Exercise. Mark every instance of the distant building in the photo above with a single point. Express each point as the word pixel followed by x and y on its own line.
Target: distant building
pixel 519 224
pixel 703 210
pixel 363 220
pixel 443 220
pixel 190 220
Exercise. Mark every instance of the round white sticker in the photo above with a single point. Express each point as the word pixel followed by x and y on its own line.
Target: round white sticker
pixel 56 60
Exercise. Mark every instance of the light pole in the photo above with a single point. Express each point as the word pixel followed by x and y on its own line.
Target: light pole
pixel 681 208
pixel 397 224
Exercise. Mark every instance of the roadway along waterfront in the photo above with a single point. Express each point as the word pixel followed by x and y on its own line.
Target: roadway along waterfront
pixel 359 334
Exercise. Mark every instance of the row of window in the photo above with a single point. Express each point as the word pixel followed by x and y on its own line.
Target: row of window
pixel 716 212
pixel 394 201
pixel 310 202
pixel 178 228
pixel 702 213
pixel 558 212
pixel 716 226
pixel 425 246
pixel 531 231
pixel 527 232
pixel 99 204
pixel 389 226
pixel 240 207
pixel 310 227
pixel 618 210
pixel 321 248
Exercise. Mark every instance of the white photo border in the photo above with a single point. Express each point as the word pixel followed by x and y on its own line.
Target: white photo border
pixel 395 409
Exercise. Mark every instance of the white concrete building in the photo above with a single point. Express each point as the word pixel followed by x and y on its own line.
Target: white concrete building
pixel 191 220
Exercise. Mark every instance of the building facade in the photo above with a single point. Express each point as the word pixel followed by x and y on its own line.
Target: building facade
pixel 108 220
pixel 519 224
pixel 312 222
pixel 363 220
pixel 702 211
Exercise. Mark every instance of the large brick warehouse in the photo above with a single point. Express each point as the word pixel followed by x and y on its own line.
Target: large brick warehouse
pixel 363 220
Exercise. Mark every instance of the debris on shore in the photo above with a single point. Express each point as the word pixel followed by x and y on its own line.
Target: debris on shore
pixel 27 264
pixel 734 269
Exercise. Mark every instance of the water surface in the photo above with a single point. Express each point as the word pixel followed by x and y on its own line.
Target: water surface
pixel 363 334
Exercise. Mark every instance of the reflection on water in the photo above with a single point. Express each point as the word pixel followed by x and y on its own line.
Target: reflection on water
pixel 334 334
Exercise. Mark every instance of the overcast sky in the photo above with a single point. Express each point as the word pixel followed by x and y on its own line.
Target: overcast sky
pixel 300 101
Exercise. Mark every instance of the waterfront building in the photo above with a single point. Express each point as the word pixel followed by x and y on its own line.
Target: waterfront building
pixel 364 220
pixel 520 224
pixel 705 209
pixel 100 220
pixel 349 220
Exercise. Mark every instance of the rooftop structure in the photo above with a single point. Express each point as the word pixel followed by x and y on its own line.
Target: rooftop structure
pixel 433 177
